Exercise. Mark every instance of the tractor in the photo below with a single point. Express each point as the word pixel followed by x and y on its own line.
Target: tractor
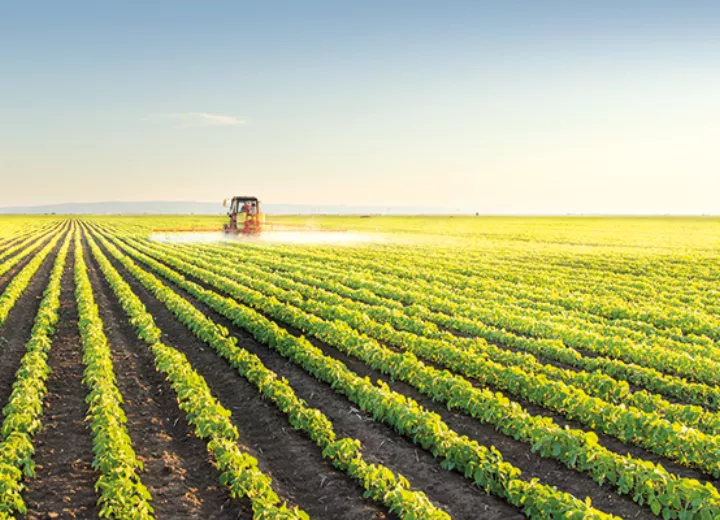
pixel 244 216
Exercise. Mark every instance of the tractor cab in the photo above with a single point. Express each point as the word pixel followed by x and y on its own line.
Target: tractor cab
pixel 244 215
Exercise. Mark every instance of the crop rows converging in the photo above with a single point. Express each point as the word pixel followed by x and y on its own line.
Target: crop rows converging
pixel 507 374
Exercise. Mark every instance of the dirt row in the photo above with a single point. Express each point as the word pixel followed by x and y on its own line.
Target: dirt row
pixel 299 472
pixel 15 332
pixel 8 242
pixel 178 472
pixel 540 358
pixel 549 361
pixel 63 449
pixel 607 440
pixel 7 277
pixel 65 480
pixel 177 469
pixel 447 489
pixel 11 241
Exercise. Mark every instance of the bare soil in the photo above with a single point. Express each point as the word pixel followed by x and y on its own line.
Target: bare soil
pixel 518 453
pixel 16 330
pixel 182 479
pixel 65 480
pixel 300 474
pixel 7 277
pixel 177 470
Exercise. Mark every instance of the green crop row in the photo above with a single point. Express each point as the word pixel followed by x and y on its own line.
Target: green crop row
pixel 18 240
pixel 122 494
pixel 408 319
pixel 441 279
pixel 512 288
pixel 238 470
pixel 426 322
pixel 648 484
pixel 380 483
pixel 482 465
pixel 521 298
pixel 422 303
pixel 593 291
pixel 25 247
pixel 599 296
pixel 615 292
pixel 25 406
pixel 685 445
pixel 30 240
pixel 20 282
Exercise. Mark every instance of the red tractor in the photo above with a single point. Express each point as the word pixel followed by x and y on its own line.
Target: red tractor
pixel 244 216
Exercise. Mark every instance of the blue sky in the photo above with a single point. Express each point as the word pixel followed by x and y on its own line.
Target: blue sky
pixel 508 107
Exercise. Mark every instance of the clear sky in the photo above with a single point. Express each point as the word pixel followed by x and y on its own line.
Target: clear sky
pixel 528 107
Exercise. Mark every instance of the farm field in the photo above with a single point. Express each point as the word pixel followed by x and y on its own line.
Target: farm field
pixel 407 368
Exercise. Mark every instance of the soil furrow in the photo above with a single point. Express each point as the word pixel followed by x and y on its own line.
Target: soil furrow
pixel 608 441
pixel 382 444
pixel 8 243
pixel 64 485
pixel 542 359
pixel 299 472
pixel 16 330
pixel 584 352
pixel 516 452
pixel 177 470
pixel 7 277
pixel 566 366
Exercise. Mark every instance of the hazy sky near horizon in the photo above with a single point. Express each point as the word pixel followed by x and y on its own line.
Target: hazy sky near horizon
pixel 510 107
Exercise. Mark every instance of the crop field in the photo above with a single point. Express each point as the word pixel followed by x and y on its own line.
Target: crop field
pixel 404 367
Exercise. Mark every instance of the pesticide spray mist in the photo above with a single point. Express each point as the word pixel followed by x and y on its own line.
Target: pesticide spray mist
pixel 276 237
